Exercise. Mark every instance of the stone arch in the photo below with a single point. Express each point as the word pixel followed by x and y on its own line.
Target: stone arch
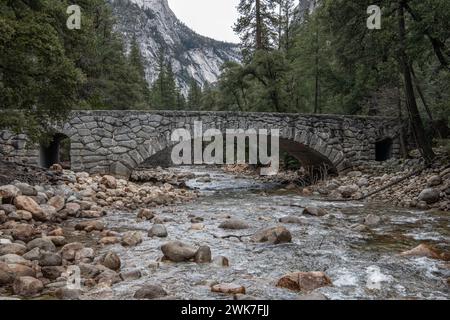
pixel 310 149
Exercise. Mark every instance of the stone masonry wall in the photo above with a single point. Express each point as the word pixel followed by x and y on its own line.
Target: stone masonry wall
pixel 118 141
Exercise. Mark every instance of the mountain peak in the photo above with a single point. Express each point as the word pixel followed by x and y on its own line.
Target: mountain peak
pixel 156 28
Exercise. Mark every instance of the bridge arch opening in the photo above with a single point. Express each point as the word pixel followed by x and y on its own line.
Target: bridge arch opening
pixel 384 149
pixel 316 165
pixel 56 151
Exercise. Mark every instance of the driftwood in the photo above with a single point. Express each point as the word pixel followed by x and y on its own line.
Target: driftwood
pixel 232 236
pixel 388 186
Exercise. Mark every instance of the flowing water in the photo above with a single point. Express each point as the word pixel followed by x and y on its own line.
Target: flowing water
pixel 362 265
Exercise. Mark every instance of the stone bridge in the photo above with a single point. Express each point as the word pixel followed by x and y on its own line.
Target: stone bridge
pixel 117 142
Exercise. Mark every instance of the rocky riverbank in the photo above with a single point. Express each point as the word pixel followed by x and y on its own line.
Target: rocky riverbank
pixel 46 229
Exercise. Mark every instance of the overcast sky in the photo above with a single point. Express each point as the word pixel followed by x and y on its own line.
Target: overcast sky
pixel 211 18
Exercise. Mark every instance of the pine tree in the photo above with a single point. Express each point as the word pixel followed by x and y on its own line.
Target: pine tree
pixel 194 99
pixel 256 25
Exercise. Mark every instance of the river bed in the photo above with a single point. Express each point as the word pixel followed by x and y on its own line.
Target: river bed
pixel 361 264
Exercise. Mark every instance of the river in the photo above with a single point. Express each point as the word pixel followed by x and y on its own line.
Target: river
pixel 361 264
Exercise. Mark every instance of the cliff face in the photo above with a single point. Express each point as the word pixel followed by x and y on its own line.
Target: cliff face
pixel 156 28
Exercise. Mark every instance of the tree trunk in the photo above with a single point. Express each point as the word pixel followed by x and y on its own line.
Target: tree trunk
pixel 259 45
pixel 423 143
pixel 316 93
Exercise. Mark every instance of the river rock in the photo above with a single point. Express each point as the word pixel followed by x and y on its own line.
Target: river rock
pixel 424 250
pixel 291 220
pixel 14 258
pixel 7 208
pixel 23 215
pixel 430 195
pixel 28 204
pixel 131 238
pixel 27 286
pixel 6 274
pixel 363 182
pixel 313 211
pixel 8 193
pixel 57 202
pixel 23 232
pixel 274 235
pixel 131 275
pixel 69 250
pixel 58 232
pixel 67 293
pixel 42 243
pixel 90 226
pixel 112 261
pixel 26 189
pixel 49 259
pixel 313 296
pixel 33 254
pixel 348 191
pixel 234 224
pixel 372 220
pixel 203 255
pixel 157 230
pixel 221 261
pixel 434 181
pixel 109 182
pixel 20 270
pixel 177 251
pixel 108 278
pixel 145 214
pixel 304 281
pixel 52 273
pixel 228 288
pixel 14 248
pixel 84 255
pixel 58 241
pixel 109 240
pixel 72 209
pixel 150 291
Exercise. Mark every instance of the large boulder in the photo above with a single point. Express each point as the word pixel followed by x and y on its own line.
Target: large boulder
pixel 20 270
pixel 27 286
pixel 28 204
pixel 150 291
pixel 177 251
pixel 430 195
pixel 304 281
pixel 234 224
pixel 274 235
pixel 291 220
